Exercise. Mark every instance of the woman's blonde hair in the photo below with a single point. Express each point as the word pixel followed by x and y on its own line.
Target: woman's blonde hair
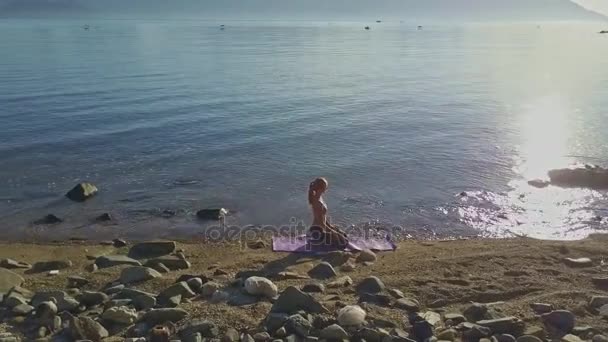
pixel 313 188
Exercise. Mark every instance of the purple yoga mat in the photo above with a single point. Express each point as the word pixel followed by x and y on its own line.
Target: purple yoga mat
pixel 301 244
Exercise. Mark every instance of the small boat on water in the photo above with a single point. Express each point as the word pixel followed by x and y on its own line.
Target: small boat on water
pixel 419 27
pixel 378 21
pixel 367 27
pixel 86 27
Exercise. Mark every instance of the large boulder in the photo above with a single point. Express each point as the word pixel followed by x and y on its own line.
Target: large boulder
pixel 506 325
pixel 178 289
pixel 152 249
pixel 333 332
pixel 92 298
pixel 292 300
pixel 81 192
pixel 138 274
pixel 105 261
pixel 562 320
pixel 206 328
pixel 45 266
pixel 8 280
pixel 260 286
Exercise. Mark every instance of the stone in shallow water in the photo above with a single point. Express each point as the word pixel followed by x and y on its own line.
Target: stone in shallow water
pixel 49 219
pixel 211 214
pixel 81 192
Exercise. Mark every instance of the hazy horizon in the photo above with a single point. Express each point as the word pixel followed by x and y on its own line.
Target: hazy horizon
pixel 454 10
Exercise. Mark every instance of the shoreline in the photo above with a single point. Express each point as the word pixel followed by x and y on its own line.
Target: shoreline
pixel 441 278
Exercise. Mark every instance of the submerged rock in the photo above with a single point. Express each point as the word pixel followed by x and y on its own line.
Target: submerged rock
pixel 49 219
pixel 105 217
pixel 81 192
pixel 212 214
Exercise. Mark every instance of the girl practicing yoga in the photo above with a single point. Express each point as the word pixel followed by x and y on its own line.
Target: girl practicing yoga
pixel 322 231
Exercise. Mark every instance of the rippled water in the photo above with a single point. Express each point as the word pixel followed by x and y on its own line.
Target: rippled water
pixel 169 115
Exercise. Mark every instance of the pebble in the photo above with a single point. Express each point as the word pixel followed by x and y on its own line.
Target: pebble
pixel 396 293
pixel 447 334
pixel 366 255
pixel 333 332
pixel 561 319
pixel 370 285
pixel 408 304
pixel 231 335
pixel 313 288
pixel 541 308
pixel 348 267
pixel 157 316
pixel 120 315
pixel 351 315
pixel 323 270
pixel 196 284
pixel 260 286
pixel 209 288
pixel 340 282
pixel 578 262
pixel 298 325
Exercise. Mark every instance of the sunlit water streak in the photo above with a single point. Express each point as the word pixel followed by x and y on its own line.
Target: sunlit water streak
pixel 173 116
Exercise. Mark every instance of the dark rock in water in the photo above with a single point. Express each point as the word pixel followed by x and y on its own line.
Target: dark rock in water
pixel 370 285
pixel 538 183
pixel 211 214
pixel 105 217
pixel 12 264
pixel 81 192
pixel 152 249
pixel 119 243
pixel 49 219
pixel 589 176
pixel 105 261
pixel 292 300
pixel 323 270
pixel 367 28
pixel 45 266
pixel 562 320
pixel 603 32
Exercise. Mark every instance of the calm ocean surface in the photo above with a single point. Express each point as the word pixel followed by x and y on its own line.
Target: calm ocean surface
pixel 180 115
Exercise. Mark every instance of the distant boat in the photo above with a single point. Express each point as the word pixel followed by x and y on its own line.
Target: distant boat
pixel 86 27
pixel 604 32
pixel 367 27
pixel 378 21
pixel 222 27
pixel 419 27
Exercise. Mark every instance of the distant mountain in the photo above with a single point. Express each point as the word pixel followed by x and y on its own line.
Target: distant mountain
pixel 456 10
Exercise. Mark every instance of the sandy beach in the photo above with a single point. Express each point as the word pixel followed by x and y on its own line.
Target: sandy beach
pixel 440 281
